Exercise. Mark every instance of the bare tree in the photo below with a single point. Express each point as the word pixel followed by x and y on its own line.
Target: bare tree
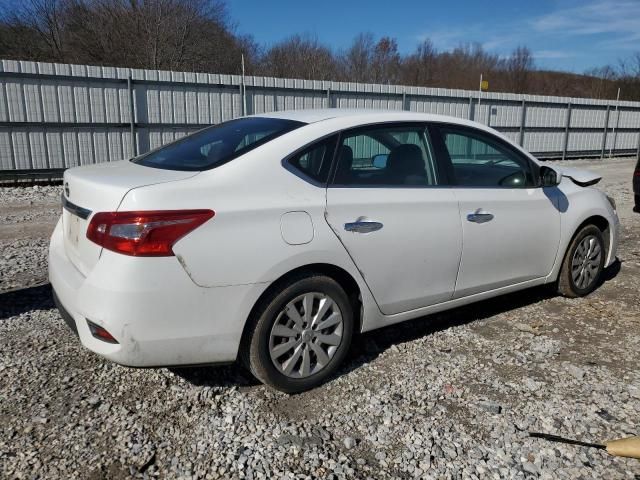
pixel 36 28
pixel 197 35
pixel 600 82
pixel 461 68
pixel 386 61
pixel 158 34
pixel 356 62
pixel 300 56
pixel 518 68
pixel 420 68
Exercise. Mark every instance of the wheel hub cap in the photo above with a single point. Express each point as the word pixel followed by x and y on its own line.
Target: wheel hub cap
pixel 306 335
pixel 585 265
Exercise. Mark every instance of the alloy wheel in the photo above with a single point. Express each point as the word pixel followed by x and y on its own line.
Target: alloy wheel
pixel 585 264
pixel 306 335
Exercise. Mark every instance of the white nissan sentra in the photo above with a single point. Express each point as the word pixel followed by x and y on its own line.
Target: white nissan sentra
pixel 275 238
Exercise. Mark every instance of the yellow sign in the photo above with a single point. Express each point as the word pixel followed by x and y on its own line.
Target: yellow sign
pixel 484 85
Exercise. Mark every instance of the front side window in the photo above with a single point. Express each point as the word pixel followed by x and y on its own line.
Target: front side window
pixel 386 156
pixel 216 145
pixel 478 160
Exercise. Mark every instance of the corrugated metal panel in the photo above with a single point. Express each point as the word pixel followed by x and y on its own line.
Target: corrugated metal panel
pixel 81 114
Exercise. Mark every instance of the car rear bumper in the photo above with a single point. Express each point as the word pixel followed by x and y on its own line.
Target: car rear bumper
pixel 66 316
pixel 151 307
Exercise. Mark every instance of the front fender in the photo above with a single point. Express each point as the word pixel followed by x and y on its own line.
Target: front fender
pixel 583 204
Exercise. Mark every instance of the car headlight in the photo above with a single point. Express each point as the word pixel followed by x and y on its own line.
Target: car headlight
pixel 611 201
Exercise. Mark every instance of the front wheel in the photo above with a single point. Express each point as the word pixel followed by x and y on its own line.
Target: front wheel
pixel 583 263
pixel 301 334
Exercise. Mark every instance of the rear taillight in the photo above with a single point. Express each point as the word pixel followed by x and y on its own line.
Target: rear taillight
pixel 144 234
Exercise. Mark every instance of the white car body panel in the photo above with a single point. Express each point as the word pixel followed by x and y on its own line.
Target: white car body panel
pixel 101 188
pixel 191 308
pixel 425 244
pixel 519 244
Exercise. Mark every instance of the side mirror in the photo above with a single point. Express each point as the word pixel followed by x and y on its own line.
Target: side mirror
pixel 380 160
pixel 549 177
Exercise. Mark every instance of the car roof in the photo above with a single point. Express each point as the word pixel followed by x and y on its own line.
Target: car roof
pixel 362 114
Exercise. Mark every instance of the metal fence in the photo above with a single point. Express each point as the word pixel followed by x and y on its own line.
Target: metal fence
pixel 55 116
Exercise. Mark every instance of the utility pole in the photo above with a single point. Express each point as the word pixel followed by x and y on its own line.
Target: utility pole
pixel 479 92
pixel 484 85
pixel 244 88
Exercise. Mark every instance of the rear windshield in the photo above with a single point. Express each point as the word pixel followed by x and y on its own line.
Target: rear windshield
pixel 216 145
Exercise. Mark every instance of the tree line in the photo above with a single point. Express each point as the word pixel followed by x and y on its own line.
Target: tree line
pixel 199 36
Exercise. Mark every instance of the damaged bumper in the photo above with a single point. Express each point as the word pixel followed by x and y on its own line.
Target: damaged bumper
pixel 150 306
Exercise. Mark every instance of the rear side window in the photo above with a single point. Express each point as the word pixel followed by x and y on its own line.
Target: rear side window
pixel 216 145
pixel 315 160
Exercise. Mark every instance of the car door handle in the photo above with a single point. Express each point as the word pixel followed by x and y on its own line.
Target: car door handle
pixel 362 226
pixel 480 216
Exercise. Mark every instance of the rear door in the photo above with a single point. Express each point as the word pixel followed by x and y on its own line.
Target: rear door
pixel 389 208
pixel 511 229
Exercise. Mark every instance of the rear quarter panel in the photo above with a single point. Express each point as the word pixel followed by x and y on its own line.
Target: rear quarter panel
pixel 243 244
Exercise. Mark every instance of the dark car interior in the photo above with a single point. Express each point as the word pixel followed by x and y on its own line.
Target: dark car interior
pixel 475 160
pixel 400 164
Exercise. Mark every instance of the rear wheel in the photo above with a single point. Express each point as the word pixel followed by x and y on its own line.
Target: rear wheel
pixel 583 263
pixel 301 334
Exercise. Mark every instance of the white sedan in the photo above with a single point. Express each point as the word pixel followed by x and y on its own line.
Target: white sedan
pixel 275 238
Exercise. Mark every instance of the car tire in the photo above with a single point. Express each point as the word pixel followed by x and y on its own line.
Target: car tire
pixel 297 363
pixel 583 263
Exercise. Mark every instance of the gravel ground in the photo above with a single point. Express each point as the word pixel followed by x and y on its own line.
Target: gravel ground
pixel 449 396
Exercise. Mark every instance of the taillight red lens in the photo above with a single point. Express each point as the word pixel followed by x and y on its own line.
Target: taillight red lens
pixel 144 233
pixel 100 333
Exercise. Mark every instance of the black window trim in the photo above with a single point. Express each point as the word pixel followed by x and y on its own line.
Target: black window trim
pixel 445 160
pixel 442 175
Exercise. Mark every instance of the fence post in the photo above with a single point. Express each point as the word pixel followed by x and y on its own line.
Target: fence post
pixel 404 100
pixel 523 119
pixel 604 133
pixel 328 98
pixel 565 142
pixel 134 143
pixel 615 132
pixel 471 108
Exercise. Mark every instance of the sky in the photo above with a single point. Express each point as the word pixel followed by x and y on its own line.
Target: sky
pixel 568 35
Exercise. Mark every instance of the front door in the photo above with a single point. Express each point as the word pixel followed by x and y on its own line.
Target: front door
pixel 511 229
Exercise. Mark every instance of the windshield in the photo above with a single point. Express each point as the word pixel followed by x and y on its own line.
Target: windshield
pixel 216 145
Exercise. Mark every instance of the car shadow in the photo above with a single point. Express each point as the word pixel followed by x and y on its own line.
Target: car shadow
pixel 557 198
pixel 23 300
pixel 232 375
pixel 610 272
pixel 367 346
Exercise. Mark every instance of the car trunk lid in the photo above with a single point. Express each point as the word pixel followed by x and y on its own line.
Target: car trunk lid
pixel 101 188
